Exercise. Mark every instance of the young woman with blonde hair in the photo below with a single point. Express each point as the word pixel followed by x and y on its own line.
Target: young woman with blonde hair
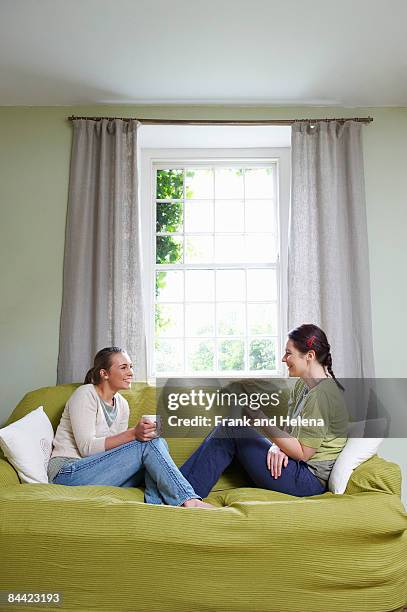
pixel 94 445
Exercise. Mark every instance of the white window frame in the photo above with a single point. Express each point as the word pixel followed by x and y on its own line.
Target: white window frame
pixel 150 157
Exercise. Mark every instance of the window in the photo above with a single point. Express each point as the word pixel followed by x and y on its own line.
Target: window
pixel 216 267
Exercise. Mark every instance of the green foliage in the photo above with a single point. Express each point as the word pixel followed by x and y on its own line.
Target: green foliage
pixel 262 356
pixel 202 358
pixel 161 321
pixel 159 282
pixel 231 355
pixel 169 217
pixel 229 328
pixel 189 192
pixel 169 250
pixel 170 184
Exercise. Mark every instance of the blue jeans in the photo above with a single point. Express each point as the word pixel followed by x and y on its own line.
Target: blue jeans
pixel 130 465
pixel 224 443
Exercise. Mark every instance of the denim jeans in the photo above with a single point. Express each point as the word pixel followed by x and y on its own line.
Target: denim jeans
pixel 130 465
pixel 224 443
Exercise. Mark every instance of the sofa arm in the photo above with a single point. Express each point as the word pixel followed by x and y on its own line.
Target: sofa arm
pixel 8 475
pixel 375 474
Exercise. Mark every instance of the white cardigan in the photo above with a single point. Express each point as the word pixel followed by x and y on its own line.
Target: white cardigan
pixel 82 429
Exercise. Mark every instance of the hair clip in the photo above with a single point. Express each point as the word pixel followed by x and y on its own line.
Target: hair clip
pixel 310 341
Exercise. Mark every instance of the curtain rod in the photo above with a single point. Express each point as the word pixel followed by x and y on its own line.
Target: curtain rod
pixel 223 121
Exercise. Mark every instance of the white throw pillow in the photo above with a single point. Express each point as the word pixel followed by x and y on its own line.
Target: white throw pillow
pixel 355 452
pixel 27 444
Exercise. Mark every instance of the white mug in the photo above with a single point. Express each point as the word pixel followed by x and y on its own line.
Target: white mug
pixel 155 418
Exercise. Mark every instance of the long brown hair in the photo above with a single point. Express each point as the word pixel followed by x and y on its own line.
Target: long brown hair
pixel 102 361
pixel 308 337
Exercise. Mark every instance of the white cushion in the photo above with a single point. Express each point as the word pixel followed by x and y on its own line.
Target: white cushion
pixel 27 444
pixel 355 452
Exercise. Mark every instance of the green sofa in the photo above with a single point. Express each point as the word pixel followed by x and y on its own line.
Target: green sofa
pixel 103 549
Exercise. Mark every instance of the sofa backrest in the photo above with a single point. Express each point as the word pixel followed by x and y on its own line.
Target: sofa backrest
pixel 376 474
pixel 141 400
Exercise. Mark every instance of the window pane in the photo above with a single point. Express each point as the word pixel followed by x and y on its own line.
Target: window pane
pixel 261 285
pixel 228 183
pixel 199 216
pixel 170 184
pixel 169 319
pixel 199 183
pixel 199 249
pixel 229 216
pixel 230 285
pixel 169 286
pixel 209 320
pixel 169 356
pixel 200 355
pixel 169 217
pixel 262 354
pixel 262 318
pixel 231 355
pixel 230 319
pixel 199 319
pixel 199 285
pixel 260 216
pixel 259 183
pixel 261 248
pixel 169 250
pixel 229 249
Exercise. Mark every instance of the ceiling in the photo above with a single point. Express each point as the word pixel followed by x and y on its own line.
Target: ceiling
pixel 263 52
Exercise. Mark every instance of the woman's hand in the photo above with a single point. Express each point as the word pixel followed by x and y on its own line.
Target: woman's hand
pixel 275 459
pixel 145 430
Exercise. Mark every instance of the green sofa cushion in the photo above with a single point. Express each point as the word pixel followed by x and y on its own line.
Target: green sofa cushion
pixel 375 474
pixel 258 551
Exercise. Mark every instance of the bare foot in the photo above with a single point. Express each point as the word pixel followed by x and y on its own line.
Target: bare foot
pixel 197 503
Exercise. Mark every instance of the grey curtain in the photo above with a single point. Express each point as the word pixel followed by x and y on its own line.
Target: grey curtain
pixel 102 302
pixel 328 270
